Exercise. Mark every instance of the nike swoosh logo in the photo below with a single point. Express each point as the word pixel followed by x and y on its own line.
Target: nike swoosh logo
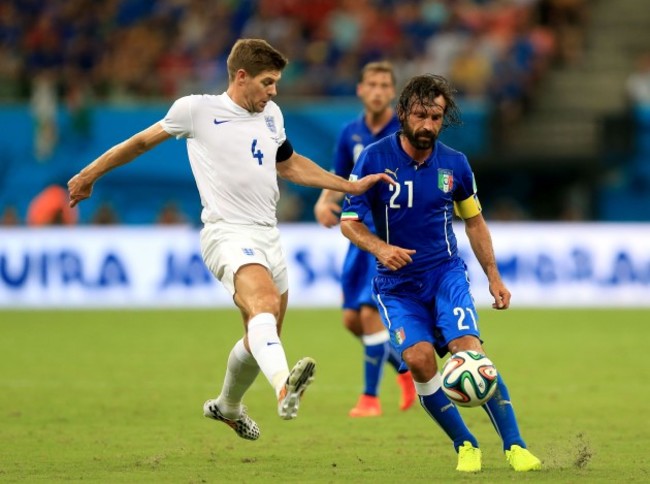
pixel 221 122
pixel 269 343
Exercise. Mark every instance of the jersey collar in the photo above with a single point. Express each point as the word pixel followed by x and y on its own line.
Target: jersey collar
pixel 236 108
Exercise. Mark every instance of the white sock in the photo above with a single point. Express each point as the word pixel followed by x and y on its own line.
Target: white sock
pixel 241 372
pixel 375 338
pixel 267 349
pixel 430 387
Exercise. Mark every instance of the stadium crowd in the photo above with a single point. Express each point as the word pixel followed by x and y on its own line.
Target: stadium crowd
pixel 75 53
pixel 121 50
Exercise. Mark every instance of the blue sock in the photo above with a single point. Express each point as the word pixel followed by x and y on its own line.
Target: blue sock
pixel 502 415
pixel 444 412
pixel 375 355
pixel 395 360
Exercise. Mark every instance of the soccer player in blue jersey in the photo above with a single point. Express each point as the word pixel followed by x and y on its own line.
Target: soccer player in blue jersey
pixel 376 90
pixel 422 286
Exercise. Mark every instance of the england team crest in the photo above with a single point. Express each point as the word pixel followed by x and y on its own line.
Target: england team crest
pixel 445 180
pixel 270 123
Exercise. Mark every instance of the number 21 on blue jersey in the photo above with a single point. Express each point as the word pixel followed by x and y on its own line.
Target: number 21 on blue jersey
pixel 397 188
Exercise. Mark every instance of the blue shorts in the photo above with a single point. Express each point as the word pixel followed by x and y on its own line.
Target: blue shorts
pixel 436 306
pixel 359 269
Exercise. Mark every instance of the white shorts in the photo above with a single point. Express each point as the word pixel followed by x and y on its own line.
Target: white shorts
pixel 227 247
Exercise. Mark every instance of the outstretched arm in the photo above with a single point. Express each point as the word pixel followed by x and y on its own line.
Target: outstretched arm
pixel 80 186
pixel 391 256
pixel 301 170
pixel 481 242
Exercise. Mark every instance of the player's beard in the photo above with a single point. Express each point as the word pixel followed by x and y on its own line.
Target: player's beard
pixel 421 139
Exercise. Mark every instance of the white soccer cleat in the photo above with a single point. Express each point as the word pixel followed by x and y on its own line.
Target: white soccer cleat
pixel 244 426
pixel 301 375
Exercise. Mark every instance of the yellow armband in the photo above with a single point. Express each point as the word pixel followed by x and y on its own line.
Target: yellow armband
pixel 468 208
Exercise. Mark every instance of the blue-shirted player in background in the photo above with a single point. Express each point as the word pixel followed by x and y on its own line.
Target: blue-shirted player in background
pixel 376 90
pixel 422 285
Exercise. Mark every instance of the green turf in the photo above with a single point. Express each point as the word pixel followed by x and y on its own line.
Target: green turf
pixel 116 396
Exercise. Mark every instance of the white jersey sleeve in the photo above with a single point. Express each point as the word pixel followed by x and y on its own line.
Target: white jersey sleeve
pixel 282 134
pixel 178 121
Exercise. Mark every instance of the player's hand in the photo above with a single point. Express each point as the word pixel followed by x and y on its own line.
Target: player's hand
pixel 79 189
pixel 394 257
pixel 327 213
pixel 362 185
pixel 501 295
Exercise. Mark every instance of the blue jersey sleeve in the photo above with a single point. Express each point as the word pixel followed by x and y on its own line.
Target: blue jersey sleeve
pixel 466 186
pixel 343 155
pixel 357 207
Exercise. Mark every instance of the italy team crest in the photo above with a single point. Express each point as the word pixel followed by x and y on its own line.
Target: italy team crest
pixel 445 180
pixel 270 123
pixel 398 336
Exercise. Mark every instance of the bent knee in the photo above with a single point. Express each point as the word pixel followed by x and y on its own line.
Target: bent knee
pixel 421 360
pixel 465 343
pixel 352 322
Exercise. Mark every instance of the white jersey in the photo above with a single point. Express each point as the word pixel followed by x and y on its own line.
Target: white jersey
pixel 232 153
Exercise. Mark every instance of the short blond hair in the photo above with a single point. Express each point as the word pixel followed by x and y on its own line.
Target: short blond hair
pixel 378 66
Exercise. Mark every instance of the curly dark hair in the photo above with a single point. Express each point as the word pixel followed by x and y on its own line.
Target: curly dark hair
pixel 421 91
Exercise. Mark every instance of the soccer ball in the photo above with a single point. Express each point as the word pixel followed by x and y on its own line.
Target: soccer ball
pixel 469 379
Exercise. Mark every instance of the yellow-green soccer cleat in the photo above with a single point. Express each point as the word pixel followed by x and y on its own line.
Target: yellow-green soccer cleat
pixel 521 460
pixel 469 458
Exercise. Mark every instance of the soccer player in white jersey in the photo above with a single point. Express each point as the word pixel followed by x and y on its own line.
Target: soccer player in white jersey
pixel 237 146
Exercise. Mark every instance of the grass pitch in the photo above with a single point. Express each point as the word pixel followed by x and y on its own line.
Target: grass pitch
pixel 116 396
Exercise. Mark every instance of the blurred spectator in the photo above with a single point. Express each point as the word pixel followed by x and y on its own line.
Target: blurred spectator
pixel 9 73
pixel 9 216
pixel 568 18
pixel 78 105
pixel 470 71
pixel 51 207
pixel 576 204
pixel 44 107
pixel 105 215
pixel 638 82
pixel 170 214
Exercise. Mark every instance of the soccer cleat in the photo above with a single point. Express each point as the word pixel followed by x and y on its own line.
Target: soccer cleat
pixel 409 396
pixel 301 375
pixel 367 406
pixel 521 460
pixel 469 458
pixel 244 426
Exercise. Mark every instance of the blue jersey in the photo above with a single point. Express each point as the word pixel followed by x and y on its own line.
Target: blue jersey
pixel 359 266
pixel 417 212
pixel 354 137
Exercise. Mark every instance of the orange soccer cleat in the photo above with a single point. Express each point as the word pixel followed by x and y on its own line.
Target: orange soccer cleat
pixel 405 381
pixel 367 406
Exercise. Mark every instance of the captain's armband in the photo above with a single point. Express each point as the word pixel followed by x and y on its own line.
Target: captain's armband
pixel 468 208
